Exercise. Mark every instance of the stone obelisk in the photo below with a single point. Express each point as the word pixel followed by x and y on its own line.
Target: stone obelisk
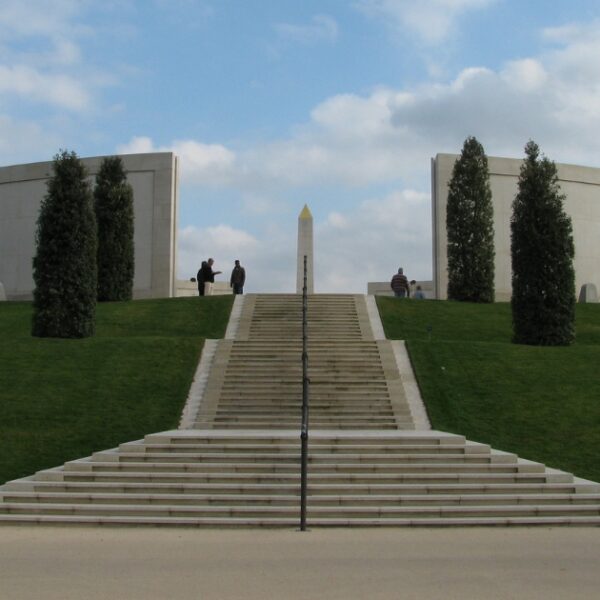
pixel 305 248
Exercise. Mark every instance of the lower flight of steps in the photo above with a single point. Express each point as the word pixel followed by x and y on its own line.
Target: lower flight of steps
pixel 251 478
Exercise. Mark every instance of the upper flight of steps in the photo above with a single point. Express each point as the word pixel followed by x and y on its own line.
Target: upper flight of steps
pixel 256 379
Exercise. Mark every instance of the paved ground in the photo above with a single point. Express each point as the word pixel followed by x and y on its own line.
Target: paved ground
pixel 91 563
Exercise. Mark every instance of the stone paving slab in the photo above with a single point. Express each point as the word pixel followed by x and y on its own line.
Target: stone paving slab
pixel 57 563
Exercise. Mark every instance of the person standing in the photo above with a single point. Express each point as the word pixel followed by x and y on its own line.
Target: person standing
pixel 399 284
pixel 208 276
pixel 200 278
pixel 238 278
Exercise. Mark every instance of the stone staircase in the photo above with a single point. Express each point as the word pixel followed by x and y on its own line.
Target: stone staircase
pixel 239 463
pixel 250 478
pixel 256 379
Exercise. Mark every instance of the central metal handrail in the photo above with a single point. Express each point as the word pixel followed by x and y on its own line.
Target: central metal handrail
pixel 305 385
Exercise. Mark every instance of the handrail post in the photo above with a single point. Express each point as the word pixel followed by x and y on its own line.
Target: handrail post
pixel 304 430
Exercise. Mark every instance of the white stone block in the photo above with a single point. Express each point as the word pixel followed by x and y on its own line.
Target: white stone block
pixel 588 293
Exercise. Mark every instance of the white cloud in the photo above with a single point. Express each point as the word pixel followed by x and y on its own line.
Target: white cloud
pixel 199 163
pixel 186 13
pixel 204 162
pixel 66 52
pixel 41 58
pixel 60 90
pixel 370 242
pixel 432 21
pixel 36 18
pixel 528 75
pixel 269 261
pixel 22 141
pixel 137 145
pixel 389 135
pixel 322 28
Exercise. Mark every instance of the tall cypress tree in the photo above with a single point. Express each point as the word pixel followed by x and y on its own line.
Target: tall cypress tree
pixel 114 214
pixel 542 250
pixel 64 267
pixel 470 227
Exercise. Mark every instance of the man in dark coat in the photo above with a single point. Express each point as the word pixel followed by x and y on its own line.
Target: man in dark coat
pixel 238 278
pixel 399 285
pixel 200 278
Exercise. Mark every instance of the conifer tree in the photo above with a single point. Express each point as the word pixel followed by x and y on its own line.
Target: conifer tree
pixel 542 250
pixel 470 227
pixel 64 267
pixel 114 214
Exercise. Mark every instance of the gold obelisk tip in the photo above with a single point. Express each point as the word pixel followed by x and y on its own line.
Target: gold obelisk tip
pixel 305 214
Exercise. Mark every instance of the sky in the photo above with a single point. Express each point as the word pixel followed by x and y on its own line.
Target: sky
pixel 271 104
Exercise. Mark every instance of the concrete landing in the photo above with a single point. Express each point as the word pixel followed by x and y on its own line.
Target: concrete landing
pixel 155 564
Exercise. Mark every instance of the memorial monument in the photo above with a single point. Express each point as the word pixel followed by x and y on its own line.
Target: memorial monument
pixel 305 248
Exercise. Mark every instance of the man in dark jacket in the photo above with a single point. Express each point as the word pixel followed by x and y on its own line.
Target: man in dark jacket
pixel 200 278
pixel 238 278
pixel 399 285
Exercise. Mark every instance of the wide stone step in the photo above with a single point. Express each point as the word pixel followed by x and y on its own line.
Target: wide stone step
pixel 233 402
pixel 318 421
pixel 321 392
pixel 294 458
pixel 324 393
pixel 314 426
pixel 291 425
pixel 336 450
pixel 238 408
pixel 292 417
pixel 314 489
pixel 291 412
pixel 293 500
pixel 274 405
pixel 234 405
pixel 323 466
pixel 318 478
pixel 78 520
pixel 332 438
pixel 338 512
pixel 278 369
pixel 351 381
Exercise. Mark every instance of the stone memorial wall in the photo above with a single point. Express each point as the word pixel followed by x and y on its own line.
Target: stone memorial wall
pixel 580 185
pixel 155 189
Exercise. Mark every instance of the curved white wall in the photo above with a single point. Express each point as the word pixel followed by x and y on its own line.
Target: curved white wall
pixel 581 186
pixel 154 181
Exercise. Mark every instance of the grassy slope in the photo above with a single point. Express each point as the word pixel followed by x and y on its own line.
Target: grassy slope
pixel 542 403
pixel 64 399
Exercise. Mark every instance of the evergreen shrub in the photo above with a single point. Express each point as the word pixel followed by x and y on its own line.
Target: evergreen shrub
pixel 113 205
pixel 470 227
pixel 64 266
pixel 542 251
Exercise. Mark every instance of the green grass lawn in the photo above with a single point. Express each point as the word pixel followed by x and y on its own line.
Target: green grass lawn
pixel 542 403
pixel 64 399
